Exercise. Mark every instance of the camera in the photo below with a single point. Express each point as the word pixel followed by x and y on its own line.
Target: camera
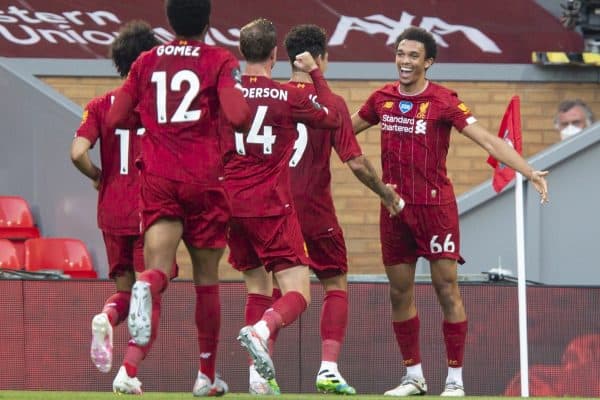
pixel 584 14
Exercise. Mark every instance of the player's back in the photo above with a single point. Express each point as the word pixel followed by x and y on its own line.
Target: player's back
pixel 118 196
pixel 256 163
pixel 177 91
pixel 310 174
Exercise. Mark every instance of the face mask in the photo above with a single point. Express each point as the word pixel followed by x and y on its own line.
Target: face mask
pixel 569 131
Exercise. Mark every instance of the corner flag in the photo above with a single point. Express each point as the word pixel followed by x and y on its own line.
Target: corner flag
pixel 510 132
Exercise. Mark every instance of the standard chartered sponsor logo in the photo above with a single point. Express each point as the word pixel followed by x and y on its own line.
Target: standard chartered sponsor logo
pixel 397 128
pixel 400 124
pixel 397 119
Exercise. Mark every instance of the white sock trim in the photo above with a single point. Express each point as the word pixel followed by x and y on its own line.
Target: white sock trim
pixel 415 371
pixel 455 375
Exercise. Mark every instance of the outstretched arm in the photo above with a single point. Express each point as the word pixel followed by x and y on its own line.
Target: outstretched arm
pixel 504 153
pixel 364 171
pixel 359 124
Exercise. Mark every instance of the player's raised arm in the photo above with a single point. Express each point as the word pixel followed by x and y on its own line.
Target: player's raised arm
pixel 322 114
pixel 234 106
pixel 504 153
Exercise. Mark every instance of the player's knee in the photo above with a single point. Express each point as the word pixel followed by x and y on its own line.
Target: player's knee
pixel 400 297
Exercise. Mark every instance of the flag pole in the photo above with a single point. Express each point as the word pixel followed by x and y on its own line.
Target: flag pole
pixel 521 285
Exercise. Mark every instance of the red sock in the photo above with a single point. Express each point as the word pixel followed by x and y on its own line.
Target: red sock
pixel 334 320
pixel 285 311
pixel 208 323
pixel 455 335
pixel 256 305
pixel 157 279
pixel 407 336
pixel 276 295
pixel 117 307
pixel 133 356
pixel 136 353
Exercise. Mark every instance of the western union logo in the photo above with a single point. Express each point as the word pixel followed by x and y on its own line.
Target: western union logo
pixel 423 107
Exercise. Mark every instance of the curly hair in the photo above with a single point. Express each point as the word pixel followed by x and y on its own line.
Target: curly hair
pixel 134 38
pixel 188 18
pixel 419 35
pixel 306 37
pixel 257 39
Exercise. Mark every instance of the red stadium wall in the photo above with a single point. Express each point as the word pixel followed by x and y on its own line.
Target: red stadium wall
pixel 44 340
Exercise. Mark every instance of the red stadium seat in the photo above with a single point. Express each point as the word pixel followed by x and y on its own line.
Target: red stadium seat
pixel 17 223
pixel 14 212
pixel 8 255
pixel 64 254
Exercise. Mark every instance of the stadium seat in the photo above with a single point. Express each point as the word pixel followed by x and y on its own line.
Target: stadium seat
pixel 17 223
pixel 8 255
pixel 64 254
pixel 15 212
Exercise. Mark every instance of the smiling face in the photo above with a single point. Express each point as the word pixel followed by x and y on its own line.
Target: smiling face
pixel 412 64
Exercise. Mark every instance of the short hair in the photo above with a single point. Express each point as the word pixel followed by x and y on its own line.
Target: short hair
pixel 566 105
pixel 419 35
pixel 188 18
pixel 257 39
pixel 134 38
pixel 306 37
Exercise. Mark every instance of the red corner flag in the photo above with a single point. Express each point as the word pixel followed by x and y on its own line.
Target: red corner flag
pixel 510 132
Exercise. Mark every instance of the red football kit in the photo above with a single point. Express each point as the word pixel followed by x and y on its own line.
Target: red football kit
pixel 415 136
pixel 257 174
pixel 311 186
pixel 118 194
pixel 181 90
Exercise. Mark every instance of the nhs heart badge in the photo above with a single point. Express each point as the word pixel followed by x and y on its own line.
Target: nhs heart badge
pixel 405 106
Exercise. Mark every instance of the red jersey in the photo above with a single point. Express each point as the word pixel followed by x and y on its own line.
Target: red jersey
pixel 310 167
pixel 415 136
pixel 256 164
pixel 175 87
pixel 119 191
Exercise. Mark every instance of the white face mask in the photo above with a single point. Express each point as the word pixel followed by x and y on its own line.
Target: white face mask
pixel 569 131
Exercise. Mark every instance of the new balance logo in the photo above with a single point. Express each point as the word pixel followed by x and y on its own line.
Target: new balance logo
pixel 421 127
pixel 205 356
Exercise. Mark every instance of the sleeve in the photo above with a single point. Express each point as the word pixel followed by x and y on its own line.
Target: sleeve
pixel 344 139
pixel 368 111
pixel 90 127
pixel 457 113
pixel 232 101
pixel 126 98
pixel 316 115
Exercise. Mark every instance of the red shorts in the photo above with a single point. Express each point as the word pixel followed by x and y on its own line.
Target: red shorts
pixel 420 231
pixel 275 242
pixel 124 252
pixel 127 251
pixel 328 255
pixel 204 210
